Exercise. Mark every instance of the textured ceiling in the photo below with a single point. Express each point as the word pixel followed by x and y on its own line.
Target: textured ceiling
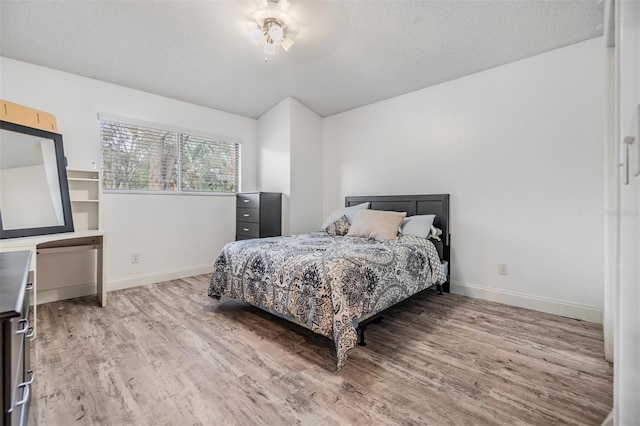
pixel 347 53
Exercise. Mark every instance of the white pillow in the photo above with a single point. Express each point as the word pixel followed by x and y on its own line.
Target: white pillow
pixel 377 224
pixel 349 212
pixel 435 233
pixel 418 226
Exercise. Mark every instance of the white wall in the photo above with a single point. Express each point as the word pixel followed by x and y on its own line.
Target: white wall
pixel 519 148
pixel 175 235
pixel 274 164
pixel 290 161
pixel 306 169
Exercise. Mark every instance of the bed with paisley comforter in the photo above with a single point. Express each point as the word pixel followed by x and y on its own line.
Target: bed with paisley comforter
pixel 328 284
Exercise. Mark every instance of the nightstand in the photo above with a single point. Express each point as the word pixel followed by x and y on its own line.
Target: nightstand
pixel 258 215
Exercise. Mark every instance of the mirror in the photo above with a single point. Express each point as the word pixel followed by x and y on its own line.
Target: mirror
pixel 34 192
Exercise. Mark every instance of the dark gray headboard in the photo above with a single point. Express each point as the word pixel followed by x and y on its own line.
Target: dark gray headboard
pixel 437 204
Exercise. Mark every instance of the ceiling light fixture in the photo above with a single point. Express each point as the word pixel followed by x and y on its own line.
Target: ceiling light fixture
pixel 273 27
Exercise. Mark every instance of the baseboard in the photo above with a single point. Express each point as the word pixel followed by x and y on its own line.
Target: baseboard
pixel 609 420
pixel 157 277
pixel 68 292
pixel 550 306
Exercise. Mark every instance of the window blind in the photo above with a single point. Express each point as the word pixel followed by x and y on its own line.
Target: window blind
pixel 141 158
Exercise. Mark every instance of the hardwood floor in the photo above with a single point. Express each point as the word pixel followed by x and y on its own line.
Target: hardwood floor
pixel 166 354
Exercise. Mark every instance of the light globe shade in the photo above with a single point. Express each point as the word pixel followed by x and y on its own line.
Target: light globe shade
pixel 286 43
pixel 257 36
pixel 276 33
pixel 269 49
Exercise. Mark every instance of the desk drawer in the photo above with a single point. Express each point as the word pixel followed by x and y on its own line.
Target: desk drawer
pixel 248 229
pixel 16 377
pixel 18 380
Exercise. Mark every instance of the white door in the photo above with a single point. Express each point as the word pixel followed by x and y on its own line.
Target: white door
pixel 627 335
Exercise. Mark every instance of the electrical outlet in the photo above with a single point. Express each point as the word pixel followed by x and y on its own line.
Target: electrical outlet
pixel 135 257
pixel 503 269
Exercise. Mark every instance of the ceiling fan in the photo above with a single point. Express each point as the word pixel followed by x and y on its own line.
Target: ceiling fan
pixel 274 26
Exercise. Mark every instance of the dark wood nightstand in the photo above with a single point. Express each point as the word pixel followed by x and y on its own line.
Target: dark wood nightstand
pixel 258 215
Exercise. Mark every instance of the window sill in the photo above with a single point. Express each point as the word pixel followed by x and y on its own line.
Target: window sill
pixel 179 193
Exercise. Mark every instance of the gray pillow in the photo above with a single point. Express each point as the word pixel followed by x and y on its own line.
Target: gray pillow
pixel 418 226
pixel 349 212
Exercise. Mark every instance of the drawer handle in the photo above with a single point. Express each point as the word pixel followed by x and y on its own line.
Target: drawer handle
pixel 29 287
pixel 28 382
pixel 246 201
pixel 26 326
pixel 27 389
pixel 246 229
pixel 25 395
pixel 31 333
pixel 246 215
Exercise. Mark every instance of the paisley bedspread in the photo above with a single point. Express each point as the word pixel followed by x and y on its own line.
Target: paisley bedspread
pixel 326 283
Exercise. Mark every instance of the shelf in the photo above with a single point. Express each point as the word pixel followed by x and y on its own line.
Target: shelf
pixel 85 193
pixel 83 179
pixel 90 171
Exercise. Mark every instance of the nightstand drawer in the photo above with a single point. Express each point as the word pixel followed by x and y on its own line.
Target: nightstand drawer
pixel 248 200
pixel 248 229
pixel 248 215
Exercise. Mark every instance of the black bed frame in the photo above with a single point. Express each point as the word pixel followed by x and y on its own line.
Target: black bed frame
pixel 437 204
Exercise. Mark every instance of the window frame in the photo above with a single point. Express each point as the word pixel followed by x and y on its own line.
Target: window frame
pixel 179 131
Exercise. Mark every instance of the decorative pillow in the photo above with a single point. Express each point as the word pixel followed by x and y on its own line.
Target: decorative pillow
pixel 435 233
pixel 349 212
pixel 418 226
pixel 377 224
pixel 339 227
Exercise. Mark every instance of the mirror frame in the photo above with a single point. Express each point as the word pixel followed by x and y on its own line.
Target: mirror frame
pixel 62 180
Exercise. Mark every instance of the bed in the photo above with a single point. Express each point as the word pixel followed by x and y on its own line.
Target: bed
pixel 336 285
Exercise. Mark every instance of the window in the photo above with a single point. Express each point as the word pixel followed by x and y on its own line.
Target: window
pixel 142 158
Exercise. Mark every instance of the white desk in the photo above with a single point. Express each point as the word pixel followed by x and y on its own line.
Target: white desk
pixel 61 243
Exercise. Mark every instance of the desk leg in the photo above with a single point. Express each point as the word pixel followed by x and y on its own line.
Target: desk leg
pixel 102 289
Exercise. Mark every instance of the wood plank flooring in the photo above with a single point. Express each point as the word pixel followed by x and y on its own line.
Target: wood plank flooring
pixel 166 354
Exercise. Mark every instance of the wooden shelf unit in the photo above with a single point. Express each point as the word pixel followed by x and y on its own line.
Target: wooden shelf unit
pixel 86 197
